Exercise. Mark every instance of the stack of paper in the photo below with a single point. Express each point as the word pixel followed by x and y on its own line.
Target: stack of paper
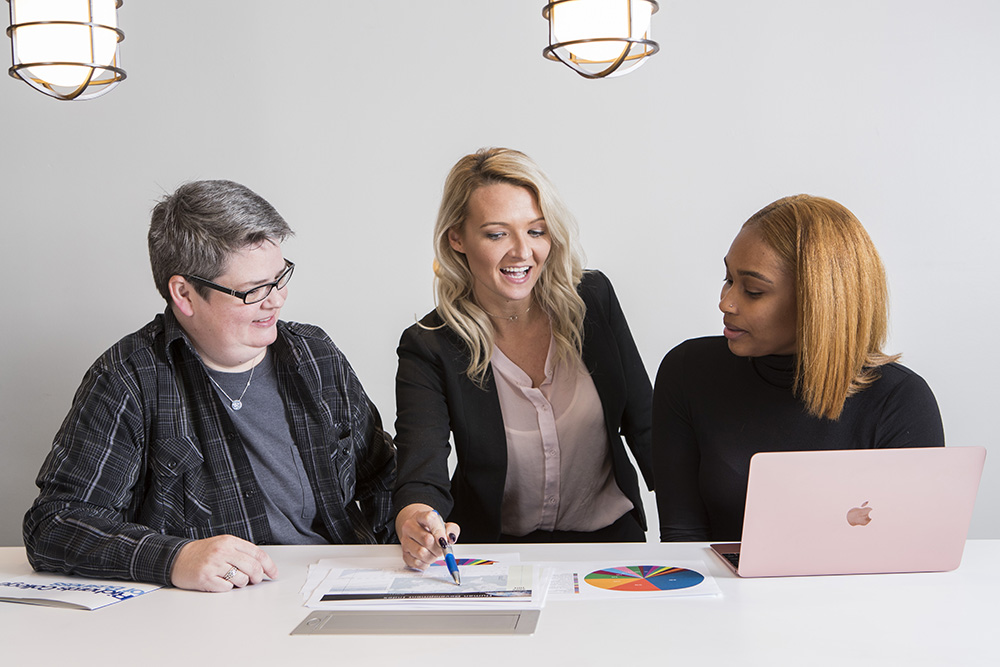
pixel 344 584
pixel 498 581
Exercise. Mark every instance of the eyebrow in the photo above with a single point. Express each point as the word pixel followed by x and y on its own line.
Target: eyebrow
pixel 757 275
pixel 508 224
pixel 752 274
pixel 247 286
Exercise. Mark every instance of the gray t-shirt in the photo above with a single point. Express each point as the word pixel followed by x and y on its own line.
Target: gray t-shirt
pixel 263 427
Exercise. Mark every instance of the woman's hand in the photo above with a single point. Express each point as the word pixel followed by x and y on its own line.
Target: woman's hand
pixel 221 563
pixel 423 535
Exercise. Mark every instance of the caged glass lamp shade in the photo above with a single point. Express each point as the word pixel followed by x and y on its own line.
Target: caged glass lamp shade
pixel 67 49
pixel 600 38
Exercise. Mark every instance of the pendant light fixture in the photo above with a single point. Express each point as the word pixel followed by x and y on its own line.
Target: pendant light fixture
pixel 67 49
pixel 600 38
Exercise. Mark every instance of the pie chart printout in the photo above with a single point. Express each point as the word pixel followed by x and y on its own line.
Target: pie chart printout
pixel 644 578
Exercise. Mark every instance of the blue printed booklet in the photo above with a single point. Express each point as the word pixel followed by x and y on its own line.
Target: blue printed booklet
pixel 59 590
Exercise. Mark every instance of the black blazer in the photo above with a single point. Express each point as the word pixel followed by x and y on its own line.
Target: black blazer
pixel 435 399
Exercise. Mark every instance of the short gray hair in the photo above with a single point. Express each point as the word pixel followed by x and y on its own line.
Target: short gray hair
pixel 199 227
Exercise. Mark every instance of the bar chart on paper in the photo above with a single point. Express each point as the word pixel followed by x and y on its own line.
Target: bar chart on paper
pixel 644 578
pixel 467 561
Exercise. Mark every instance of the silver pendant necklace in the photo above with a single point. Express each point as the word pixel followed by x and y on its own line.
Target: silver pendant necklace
pixel 235 403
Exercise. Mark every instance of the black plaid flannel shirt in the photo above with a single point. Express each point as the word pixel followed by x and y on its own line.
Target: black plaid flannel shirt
pixel 147 458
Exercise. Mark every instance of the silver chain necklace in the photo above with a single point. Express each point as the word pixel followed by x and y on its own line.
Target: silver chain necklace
pixel 236 403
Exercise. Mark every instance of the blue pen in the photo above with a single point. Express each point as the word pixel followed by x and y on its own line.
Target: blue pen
pixel 449 555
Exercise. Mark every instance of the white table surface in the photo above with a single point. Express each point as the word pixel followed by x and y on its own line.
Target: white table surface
pixel 950 618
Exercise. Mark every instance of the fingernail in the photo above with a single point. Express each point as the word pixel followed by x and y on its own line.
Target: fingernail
pixel 442 542
pixel 453 537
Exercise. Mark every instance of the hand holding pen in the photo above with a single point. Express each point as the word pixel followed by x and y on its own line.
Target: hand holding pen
pixel 424 536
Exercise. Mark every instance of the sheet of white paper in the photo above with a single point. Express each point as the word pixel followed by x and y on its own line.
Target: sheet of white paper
pixel 59 590
pixel 623 580
pixel 319 570
pixel 482 585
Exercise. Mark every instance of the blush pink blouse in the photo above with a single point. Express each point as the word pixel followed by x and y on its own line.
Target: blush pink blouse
pixel 559 474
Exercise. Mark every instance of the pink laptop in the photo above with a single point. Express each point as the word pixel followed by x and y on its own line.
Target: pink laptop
pixel 857 511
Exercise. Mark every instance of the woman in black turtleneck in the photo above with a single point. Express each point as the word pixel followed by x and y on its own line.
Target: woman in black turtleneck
pixel 800 367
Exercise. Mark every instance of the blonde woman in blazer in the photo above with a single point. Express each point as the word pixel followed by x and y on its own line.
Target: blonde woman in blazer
pixel 528 365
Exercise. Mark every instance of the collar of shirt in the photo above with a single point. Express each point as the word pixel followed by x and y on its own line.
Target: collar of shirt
pixel 286 348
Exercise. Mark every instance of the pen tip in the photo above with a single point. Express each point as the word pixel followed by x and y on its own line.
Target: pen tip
pixel 458 579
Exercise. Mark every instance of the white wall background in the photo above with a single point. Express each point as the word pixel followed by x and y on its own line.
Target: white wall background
pixel 347 116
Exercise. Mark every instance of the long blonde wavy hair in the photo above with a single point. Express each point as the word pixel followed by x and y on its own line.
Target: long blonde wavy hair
pixel 555 292
pixel 841 295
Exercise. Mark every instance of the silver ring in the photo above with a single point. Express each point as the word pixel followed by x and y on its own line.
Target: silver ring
pixel 231 573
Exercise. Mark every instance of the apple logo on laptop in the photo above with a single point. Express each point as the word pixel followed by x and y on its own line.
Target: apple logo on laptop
pixel 859 516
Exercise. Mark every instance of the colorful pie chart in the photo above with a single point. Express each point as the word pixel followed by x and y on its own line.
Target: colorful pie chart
pixel 644 578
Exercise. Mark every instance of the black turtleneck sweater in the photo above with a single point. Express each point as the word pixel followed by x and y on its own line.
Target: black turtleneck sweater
pixel 713 410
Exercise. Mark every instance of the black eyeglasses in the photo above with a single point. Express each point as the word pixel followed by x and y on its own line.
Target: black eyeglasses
pixel 257 294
